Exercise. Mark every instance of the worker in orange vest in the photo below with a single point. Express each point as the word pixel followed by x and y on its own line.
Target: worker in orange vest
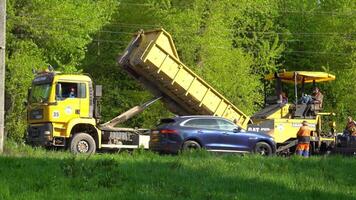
pixel 303 136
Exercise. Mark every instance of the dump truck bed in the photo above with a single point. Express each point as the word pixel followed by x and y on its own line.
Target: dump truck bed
pixel 152 59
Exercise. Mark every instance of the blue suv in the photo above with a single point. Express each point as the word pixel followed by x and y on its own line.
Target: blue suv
pixel 211 133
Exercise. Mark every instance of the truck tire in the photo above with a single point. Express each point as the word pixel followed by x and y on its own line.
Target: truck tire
pixel 263 149
pixel 190 145
pixel 82 143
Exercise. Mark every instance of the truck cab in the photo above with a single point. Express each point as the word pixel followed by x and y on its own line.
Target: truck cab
pixel 60 105
pixel 63 110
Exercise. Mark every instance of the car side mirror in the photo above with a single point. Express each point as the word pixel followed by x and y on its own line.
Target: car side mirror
pixel 58 91
pixel 237 130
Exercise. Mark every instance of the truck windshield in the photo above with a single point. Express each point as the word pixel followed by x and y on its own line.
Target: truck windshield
pixel 40 93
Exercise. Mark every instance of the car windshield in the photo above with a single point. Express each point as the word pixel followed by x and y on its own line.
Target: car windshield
pixel 40 93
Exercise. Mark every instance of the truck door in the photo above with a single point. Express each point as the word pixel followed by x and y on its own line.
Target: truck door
pixel 84 98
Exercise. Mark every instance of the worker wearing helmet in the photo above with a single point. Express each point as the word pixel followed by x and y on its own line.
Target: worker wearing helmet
pixel 303 136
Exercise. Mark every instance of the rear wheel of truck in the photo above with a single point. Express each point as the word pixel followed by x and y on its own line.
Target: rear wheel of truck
pixel 263 149
pixel 82 143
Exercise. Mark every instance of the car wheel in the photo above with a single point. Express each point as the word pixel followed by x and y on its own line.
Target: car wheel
pixel 190 145
pixel 82 143
pixel 263 149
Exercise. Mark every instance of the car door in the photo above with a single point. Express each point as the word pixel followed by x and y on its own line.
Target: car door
pixel 234 138
pixel 206 131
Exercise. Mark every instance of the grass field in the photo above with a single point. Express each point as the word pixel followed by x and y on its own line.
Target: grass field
pixel 27 173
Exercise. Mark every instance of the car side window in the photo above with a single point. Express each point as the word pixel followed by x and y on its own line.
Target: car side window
pixel 202 123
pixel 226 125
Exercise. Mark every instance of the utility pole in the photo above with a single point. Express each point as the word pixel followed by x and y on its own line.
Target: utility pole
pixel 2 71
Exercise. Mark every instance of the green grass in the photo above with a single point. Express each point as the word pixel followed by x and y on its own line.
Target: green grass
pixel 30 173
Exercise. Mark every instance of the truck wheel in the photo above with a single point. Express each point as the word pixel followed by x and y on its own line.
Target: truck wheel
pixel 263 149
pixel 190 145
pixel 82 143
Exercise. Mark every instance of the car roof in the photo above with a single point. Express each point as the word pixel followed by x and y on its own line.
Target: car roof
pixel 182 118
pixel 198 116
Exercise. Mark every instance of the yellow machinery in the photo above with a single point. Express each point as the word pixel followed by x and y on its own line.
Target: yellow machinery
pixel 63 109
pixel 283 120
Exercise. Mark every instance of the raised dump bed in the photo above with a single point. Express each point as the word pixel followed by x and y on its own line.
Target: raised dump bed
pixel 152 59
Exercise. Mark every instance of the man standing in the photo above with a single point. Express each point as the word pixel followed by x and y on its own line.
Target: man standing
pixel 303 136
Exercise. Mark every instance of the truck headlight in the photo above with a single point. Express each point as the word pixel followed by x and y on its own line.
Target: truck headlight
pixel 37 114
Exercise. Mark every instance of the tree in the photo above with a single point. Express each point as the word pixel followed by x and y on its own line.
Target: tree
pixel 322 38
pixel 43 32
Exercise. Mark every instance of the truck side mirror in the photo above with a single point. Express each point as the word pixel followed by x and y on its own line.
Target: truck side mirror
pixel 98 90
pixel 28 94
pixel 58 91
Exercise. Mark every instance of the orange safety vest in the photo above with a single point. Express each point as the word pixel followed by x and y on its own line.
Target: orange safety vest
pixel 303 134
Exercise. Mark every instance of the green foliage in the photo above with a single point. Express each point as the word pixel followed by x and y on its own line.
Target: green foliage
pixel 323 39
pixel 209 37
pixel 197 175
pixel 343 92
pixel 206 42
pixel 121 92
pixel 45 32
pixel 24 57
pixel 63 28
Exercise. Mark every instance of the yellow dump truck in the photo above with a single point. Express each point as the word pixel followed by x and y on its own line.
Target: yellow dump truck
pixel 63 109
